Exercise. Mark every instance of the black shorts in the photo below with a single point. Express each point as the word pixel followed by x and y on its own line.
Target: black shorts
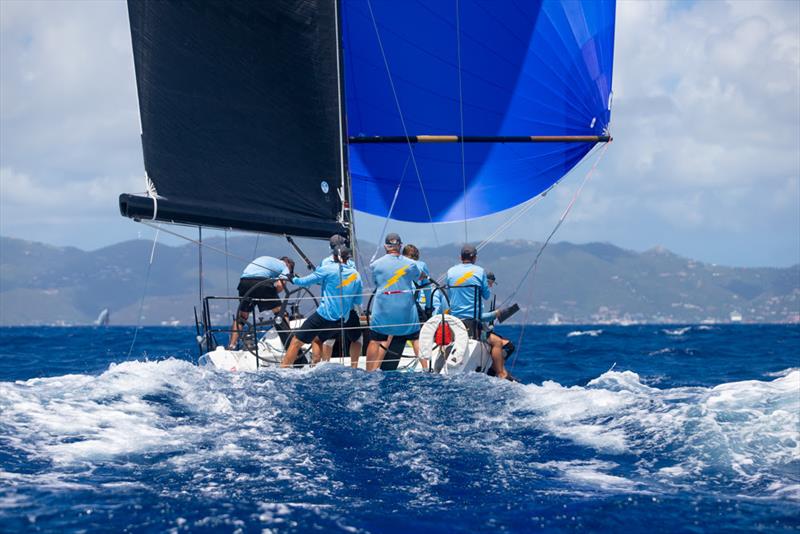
pixel 377 336
pixel 423 314
pixel 353 325
pixel 317 326
pixel 257 288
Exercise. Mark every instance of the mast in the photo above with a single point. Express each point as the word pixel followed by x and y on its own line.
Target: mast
pixel 347 210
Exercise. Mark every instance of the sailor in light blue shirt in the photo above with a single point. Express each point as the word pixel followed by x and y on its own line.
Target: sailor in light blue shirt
pixel 261 282
pixel 440 303
pixel 424 294
pixel 394 311
pixel 341 291
pixel 266 267
pixel 468 287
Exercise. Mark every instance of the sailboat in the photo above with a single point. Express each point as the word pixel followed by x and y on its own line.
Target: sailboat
pixel 283 117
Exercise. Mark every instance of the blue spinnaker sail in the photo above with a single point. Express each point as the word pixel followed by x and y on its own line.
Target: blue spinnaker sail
pixel 526 68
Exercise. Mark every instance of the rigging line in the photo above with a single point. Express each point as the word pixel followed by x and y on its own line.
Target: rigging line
pixel 402 120
pixel 522 211
pixel 199 243
pixel 227 272
pixel 525 207
pixel 461 117
pixel 391 209
pixel 535 263
pixel 560 222
pixel 144 293
pixel 200 262
pixel 255 248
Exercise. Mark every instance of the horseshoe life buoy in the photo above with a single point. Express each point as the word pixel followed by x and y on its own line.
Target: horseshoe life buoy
pixel 443 342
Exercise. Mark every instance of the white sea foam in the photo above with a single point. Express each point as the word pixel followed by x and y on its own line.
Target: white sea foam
pixel 677 331
pixel 744 428
pixel 196 422
pixel 591 333
pixel 784 372
pixel 592 473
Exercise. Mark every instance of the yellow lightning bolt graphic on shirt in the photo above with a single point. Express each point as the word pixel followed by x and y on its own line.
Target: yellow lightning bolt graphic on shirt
pixel 398 274
pixel 349 280
pixel 463 278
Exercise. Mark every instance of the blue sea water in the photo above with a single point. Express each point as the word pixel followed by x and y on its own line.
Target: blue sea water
pixel 640 428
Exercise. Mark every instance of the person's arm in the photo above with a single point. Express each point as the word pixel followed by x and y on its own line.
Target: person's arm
pixel 315 277
pixel 426 275
pixel 488 316
pixel 438 300
pixel 416 272
pixel 486 293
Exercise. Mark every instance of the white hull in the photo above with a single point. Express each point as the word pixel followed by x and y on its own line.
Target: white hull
pixel 465 355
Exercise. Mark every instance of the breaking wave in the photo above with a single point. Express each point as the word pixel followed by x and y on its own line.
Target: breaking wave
pixel 591 333
pixel 306 431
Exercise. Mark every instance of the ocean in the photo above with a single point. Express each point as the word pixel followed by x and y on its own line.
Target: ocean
pixel 640 428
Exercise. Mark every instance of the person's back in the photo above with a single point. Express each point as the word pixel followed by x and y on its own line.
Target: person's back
pixel 266 267
pixel 341 289
pixel 259 285
pixel 467 287
pixel 394 311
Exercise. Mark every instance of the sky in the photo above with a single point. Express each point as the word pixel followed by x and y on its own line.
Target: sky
pixel 706 122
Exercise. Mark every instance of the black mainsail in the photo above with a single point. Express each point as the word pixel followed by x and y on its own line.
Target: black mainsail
pixel 241 114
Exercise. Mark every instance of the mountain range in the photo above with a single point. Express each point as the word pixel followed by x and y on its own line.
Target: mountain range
pixel 588 283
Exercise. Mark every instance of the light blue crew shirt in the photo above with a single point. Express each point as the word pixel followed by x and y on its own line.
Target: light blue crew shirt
pixel 439 301
pixel 394 304
pixel 266 267
pixel 341 289
pixel 462 280
pixel 329 259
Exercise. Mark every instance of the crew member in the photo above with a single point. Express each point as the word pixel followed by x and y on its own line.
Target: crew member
pixel 490 316
pixel 394 312
pixel 262 279
pixel 353 321
pixel 341 290
pixel 468 286
pixel 423 293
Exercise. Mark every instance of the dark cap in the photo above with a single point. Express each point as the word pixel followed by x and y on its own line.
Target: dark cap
pixel 337 240
pixel 468 251
pixel 490 276
pixel 393 239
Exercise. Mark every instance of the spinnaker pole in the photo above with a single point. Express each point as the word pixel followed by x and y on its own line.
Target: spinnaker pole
pixel 480 139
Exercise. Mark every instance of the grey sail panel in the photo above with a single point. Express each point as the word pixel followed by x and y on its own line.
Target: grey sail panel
pixel 240 113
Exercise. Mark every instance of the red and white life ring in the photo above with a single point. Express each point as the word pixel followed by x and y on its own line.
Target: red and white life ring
pixel 446 339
